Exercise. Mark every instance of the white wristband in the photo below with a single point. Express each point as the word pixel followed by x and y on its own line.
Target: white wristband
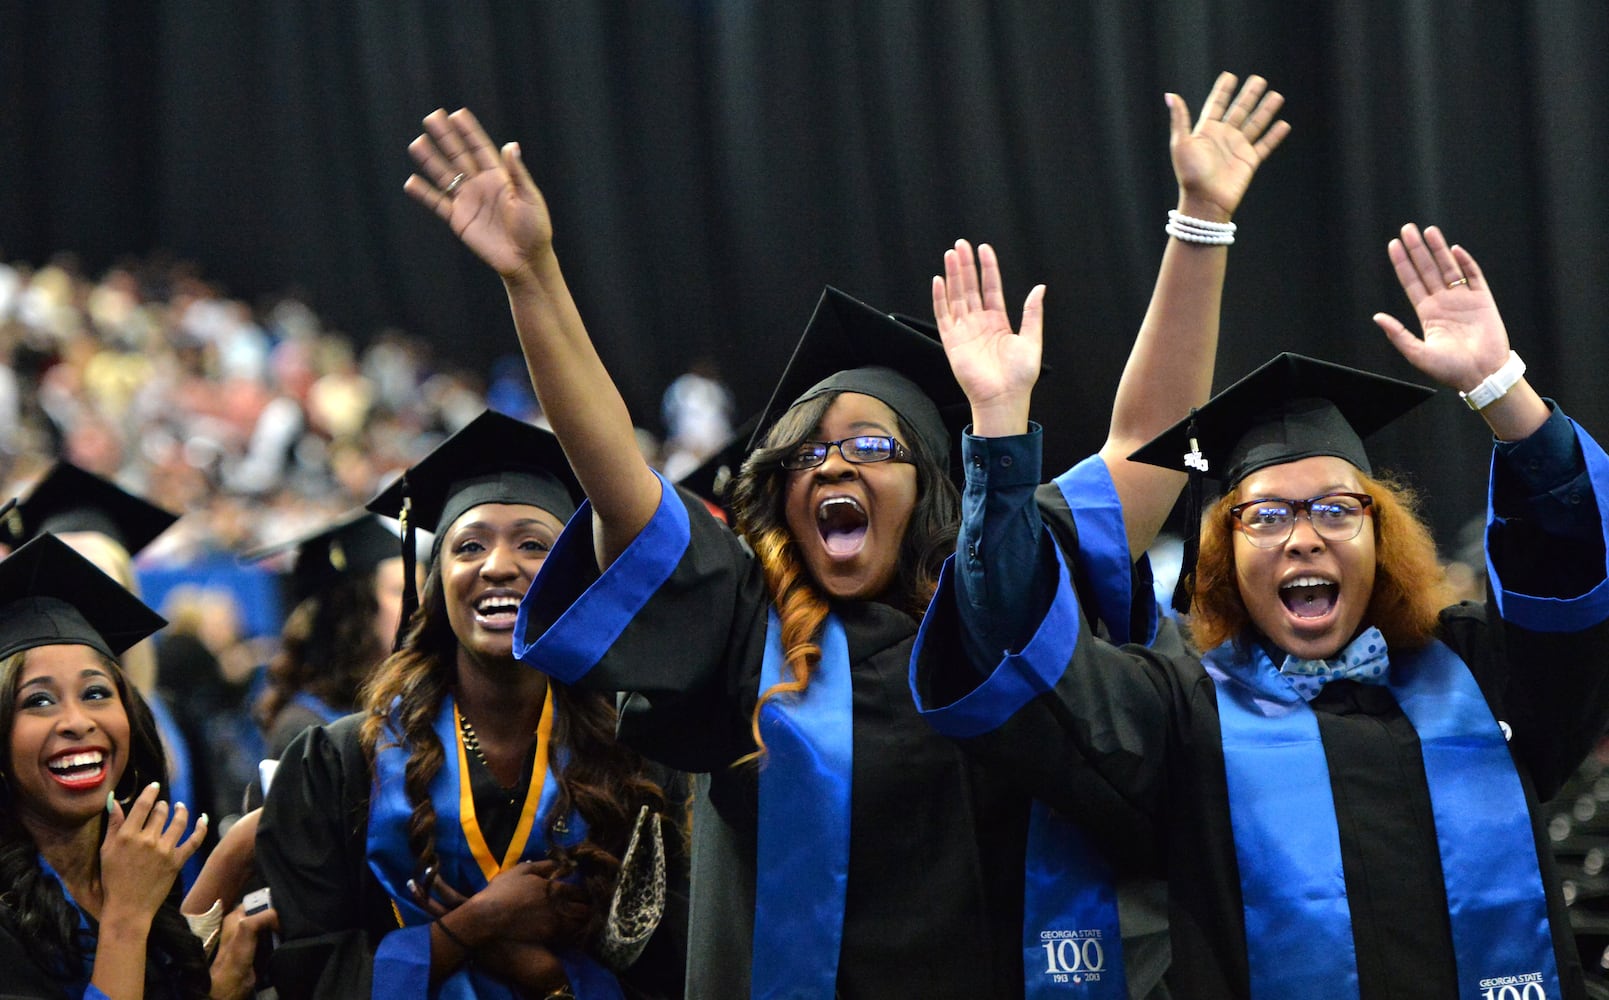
pixel 1193 230
pixel 1496 385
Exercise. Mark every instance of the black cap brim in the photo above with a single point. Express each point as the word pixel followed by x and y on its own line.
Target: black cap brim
pixel 846 335
pixel 709 481
pixel 71 499
pixel 51 595
pixel 353 545
pixel 493 459
pixel 1292 407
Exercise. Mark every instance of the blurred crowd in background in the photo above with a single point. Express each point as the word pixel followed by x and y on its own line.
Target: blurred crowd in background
pixel 258 423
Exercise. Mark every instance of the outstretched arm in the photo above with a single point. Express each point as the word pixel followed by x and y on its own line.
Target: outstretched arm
pixel 1464 337
pixel 1170 367
pixel 488 199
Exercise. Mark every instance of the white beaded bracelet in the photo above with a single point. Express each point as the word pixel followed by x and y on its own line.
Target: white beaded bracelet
pixel 1496 385
pixel 1193 230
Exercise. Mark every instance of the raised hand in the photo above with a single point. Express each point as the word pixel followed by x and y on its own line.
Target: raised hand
pixel 142 854
pixel 1464 339
pixel 1214 162
pixel 996 367
pixel 485 195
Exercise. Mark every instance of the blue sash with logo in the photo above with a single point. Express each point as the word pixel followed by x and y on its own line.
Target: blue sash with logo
pixel 1298 920
pixel 1072 946
pixel 802 844
pixel 402 961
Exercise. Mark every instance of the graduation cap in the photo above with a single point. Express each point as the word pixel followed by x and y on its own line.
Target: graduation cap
pixel 848 346
pixel 492 459
pixel 355 544
pixel 1291 408
pixel 70 499
pixel 52 596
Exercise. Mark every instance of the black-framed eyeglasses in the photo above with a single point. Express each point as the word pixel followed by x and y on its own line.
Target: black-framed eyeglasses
pixel 1267 522
pixel 862 450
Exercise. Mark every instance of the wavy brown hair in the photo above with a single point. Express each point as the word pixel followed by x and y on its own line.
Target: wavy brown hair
pixel 600 779
pixel 758 498
pixel 1410 587
pixel 33 905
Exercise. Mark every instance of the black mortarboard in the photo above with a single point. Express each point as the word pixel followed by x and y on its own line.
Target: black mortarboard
pixel 51 596
pixel 492 459
pixel 850 347
pixel 355 544
pixel 1291 408
pixel 70 499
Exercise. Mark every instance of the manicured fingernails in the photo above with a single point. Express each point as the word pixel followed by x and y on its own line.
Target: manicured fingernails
pixel 111 801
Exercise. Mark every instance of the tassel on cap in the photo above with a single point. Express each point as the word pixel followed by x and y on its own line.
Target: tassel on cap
pixel 1197 465
pixel 410 581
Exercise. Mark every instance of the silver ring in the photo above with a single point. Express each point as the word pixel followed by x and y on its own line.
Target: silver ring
pixel 1460 281
pixel 454 184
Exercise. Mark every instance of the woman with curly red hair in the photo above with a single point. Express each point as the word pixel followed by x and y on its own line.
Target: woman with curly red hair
pixel 1341 788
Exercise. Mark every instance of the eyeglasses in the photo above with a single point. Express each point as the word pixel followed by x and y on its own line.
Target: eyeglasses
pixel 1336 517
pixel 862 450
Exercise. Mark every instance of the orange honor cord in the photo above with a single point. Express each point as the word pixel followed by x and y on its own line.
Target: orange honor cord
pixel 533 797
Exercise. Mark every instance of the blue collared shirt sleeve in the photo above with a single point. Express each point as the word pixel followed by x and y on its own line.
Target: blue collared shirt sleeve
pixel 1547 479
pixel 1546 534
pixel 1001 582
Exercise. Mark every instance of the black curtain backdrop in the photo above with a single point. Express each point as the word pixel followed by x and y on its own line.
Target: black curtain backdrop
pixel 712 164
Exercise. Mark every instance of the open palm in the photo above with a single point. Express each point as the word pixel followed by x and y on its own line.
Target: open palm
pixel 994 365
pixel 1215 161
pixel 1464 338
pixel 486 196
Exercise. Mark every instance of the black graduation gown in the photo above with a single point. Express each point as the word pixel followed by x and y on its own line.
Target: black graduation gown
pixel 1128 740
pixel 311 849
pixel 22 978
pixel 935 880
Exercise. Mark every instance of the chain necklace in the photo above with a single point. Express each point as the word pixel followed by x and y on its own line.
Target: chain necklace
pixel 472 744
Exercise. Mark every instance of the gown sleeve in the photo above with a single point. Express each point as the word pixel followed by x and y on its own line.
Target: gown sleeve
pixel 310 849
pixel 1093 746
pixel 678 620
pixel 1546 542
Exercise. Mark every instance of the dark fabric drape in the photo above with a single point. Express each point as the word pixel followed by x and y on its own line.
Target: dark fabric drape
pixel 712 163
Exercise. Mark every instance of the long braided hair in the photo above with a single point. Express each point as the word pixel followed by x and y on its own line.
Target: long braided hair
pixel 601 780
pixel 758 498
pixel 33 905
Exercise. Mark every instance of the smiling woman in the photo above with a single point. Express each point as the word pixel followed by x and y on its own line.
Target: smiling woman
pixel 464 832
pixel 1342 781
pixel 89 850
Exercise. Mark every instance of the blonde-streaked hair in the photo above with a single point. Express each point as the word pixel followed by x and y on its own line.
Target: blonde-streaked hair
pixel 1410 587
pixel 759 496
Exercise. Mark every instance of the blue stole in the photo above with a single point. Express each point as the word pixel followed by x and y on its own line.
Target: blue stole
pixel 318 706
pixel 1072 942
pixel 1298 920
pixel 402 961
pixel 802 844
pixel 86 939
